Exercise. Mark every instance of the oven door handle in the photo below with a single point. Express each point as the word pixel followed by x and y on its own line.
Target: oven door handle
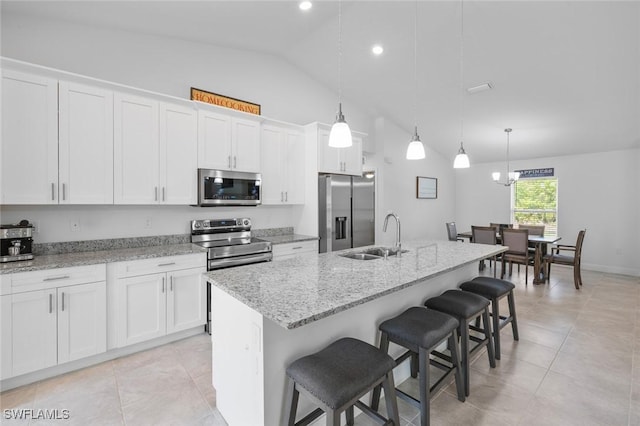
pixel 239 260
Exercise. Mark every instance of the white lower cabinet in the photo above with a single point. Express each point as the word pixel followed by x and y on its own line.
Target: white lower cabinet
pixel 55 324
pixel 289 250
pixel 159 297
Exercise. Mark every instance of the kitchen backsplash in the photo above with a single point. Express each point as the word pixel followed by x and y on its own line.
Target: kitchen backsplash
pixel 123 243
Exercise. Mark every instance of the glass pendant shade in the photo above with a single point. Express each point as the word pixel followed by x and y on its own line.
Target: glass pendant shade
pixel 462 159
pixel 415 150
pixel 495 176
pixel 340 136
pixel 514 176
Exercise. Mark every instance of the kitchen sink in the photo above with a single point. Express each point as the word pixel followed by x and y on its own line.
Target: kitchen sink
pixel 361 256
pixel 372 253
pixel 380 251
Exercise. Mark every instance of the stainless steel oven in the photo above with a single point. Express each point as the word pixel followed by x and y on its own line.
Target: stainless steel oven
pixel 226 188
pixel 229 243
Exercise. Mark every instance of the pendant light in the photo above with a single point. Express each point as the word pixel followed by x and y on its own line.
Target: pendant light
pixel 512 177
pixel 340 135
pixel 415 150
pixel 462 159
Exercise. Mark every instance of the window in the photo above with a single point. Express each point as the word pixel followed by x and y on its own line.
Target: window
pixel 535 202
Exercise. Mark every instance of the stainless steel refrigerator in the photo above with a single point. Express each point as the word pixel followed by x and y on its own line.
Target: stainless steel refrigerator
pixel 346 211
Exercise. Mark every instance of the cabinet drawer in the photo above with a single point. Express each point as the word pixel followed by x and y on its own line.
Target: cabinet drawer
pixel 281 251
pixel 60 277
pixel 160 264
pixel 5 284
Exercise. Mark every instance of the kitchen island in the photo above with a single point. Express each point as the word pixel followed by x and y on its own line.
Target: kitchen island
pixel 264 316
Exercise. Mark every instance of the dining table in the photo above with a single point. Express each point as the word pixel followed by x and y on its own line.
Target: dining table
pixel 539 242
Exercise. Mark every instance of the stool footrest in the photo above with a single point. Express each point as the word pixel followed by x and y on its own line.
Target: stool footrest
pixel 309 418
pixel 408 398
pixel 373 414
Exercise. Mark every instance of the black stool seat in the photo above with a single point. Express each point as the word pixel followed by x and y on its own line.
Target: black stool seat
pixel 466 307
pixel 458 303
pixel 335 379
pixel 341 371
pixel 421 331
pixel 495 289
pixel 488 287
pixel 419 327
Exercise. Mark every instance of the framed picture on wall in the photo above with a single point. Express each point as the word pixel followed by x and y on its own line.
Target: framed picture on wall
pixel 426 187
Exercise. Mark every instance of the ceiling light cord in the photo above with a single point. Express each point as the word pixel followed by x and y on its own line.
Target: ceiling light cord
pixel 340 53
pixel 461 71
pixel 415 68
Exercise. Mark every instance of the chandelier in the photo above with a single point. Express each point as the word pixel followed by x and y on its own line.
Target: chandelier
pixel 512 177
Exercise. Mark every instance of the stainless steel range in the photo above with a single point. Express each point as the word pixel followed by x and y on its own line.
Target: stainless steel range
pixel 229 242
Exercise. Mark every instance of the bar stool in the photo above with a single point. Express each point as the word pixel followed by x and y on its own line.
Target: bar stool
pixel 421 330
pixel 495 289
pixel 466 307
pixel 336 377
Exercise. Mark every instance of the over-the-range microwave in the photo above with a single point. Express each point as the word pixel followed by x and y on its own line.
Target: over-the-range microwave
pixel 227 188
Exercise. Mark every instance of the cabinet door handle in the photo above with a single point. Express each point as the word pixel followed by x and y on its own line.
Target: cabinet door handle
pixel 234 162
pixel 53 195
pixel 281 196
pixel 61 277
pixel 163 284
pixel 63 301
pixel 64 191
pixel 50 303
pixel 155 192
pixel 171 283
pixel 296 248
pixel 163 193
pixel 229 161
pixel 286 195
pixel 166 264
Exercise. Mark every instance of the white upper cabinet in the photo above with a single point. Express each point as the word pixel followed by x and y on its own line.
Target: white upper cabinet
pixel 136 150
pixel 29 153
pixel 155 152
pixel 346 161
pixel 85 144
pixel 283 165
pixel 228 143
pixel 178 154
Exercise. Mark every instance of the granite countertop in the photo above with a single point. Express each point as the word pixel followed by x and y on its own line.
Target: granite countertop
pixel 298 291
pixel 288 238
pixel 54 261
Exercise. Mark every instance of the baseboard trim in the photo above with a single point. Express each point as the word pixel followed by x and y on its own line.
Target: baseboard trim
pixel 56 370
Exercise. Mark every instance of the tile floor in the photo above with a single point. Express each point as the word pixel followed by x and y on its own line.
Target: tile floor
pixel 577 363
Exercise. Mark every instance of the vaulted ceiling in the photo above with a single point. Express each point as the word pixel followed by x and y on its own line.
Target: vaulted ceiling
pixel 565 74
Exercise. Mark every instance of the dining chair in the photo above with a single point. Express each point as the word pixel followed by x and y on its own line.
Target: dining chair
pixel 452 232
pixel 533 229
pixel 518 242
pixel 485 235
pixel 567 260
pixel 500 226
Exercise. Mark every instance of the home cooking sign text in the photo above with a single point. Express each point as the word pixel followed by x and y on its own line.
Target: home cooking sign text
pixel 224 101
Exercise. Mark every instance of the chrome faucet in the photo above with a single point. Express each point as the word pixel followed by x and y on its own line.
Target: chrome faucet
pixel 384 229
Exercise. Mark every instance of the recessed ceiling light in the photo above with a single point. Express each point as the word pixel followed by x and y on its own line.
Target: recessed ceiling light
pixel 377 49
pixel 305 5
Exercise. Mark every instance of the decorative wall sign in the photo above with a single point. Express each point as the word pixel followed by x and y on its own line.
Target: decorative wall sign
pixel 426 187
pixel 535 173
pixel 224 101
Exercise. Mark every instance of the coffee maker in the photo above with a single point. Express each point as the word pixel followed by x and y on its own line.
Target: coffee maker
pixel 16 242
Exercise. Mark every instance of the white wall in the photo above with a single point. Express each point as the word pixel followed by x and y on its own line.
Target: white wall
pixel 599 192
pixel 171 67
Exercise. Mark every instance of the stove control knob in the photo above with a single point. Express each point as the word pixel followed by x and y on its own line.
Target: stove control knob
pixel 246 222
pixel 197 225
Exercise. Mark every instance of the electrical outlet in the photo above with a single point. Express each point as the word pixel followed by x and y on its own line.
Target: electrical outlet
pixel 74 225
pixel 148 224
